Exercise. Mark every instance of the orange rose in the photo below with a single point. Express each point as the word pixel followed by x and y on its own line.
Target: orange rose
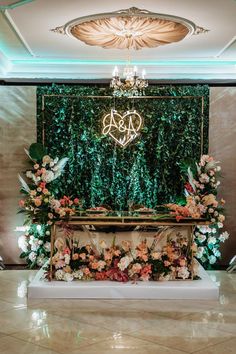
pixel 37 202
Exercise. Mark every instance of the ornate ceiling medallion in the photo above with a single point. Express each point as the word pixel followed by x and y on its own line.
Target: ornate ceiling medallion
pixel 129 29
pixel 122 128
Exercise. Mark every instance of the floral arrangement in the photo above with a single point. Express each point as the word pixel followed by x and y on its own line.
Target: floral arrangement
pixel 121 262
pixel 40 206
pixel 35 244
pixel 201 202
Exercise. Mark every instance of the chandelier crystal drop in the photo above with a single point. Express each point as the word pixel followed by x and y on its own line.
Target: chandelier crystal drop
pixel 132 85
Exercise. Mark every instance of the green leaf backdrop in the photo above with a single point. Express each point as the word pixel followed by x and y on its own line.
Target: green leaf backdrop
pixel 145 172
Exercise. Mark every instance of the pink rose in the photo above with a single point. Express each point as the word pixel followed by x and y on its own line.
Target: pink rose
pixel 76 201
pixel 21 203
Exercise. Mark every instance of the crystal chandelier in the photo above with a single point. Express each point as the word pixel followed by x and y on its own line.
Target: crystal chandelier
pixel 132 85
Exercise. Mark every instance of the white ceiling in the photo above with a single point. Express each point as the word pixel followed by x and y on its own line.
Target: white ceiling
pixel 29 50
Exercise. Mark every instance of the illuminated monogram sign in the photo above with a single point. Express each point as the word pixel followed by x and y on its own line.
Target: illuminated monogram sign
pixel 122 128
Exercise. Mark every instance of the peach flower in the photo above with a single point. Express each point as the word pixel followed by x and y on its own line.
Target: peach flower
pixel 37 202
pixel 182 262
pixel 21 203
pixel 75 256
pixel 82 256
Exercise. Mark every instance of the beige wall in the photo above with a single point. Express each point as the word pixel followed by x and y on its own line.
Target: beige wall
pixel 17 130
pixel 222 145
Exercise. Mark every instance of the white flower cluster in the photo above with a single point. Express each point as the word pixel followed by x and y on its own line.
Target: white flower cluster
pixel 124 262
pixel 60 274
pixel 31 245
pixel 49 170
pixel 35 243
pixel 183 273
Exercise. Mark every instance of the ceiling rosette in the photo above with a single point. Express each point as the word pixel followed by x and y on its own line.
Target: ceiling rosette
pixel 129 29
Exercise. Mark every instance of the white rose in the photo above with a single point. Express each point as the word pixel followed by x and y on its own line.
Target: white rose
pixel 48 176
pixel 29 174
pixel 78 274
pixel 59 274
pixel 68 277
pixel 204 229
pixel 47 246
pixel 216 252
pixel 67 258
pixel 32 256
pixel 55 204
pixel 212 259
pixel 183 272
pixel 211 240
pixel 124 262
pixel 41 260
pixel 203 178
pixel 22 243
pixel 201 238
pixel 200 251
pixel 224 236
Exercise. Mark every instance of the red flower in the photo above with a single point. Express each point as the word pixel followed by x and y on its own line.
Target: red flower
pixel 179 217
pixel 101 276
pixel 117 275
pixel 188 187
pixel 42 185
pixel 66 251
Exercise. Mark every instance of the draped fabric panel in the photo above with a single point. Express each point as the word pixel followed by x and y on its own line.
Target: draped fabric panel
pixel 129 32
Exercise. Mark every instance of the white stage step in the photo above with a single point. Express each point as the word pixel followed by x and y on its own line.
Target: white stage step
pixel 202 289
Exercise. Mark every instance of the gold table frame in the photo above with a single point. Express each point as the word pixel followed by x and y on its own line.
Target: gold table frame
pixel 101 220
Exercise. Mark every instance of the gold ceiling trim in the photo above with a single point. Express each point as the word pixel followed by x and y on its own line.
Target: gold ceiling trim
pixel 131 28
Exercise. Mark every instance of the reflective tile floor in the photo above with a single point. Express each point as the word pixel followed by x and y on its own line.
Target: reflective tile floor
pixel 119 326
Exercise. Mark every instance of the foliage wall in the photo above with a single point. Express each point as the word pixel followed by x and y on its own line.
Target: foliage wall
pixel 147 171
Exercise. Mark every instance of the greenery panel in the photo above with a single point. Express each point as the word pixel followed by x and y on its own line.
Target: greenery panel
pixel 146 171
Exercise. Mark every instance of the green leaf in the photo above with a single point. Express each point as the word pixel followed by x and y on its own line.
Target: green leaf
pixel 37 151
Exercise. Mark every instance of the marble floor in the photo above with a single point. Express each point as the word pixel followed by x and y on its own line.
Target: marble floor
pixel 106 327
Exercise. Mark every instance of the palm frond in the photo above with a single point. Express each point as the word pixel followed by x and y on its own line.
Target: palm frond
pixel 190 178
pixel 210 165
pixel 24 185
pixel 59 167
pixel 28 154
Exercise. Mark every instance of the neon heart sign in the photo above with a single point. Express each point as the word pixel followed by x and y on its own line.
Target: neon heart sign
pixel 123 129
